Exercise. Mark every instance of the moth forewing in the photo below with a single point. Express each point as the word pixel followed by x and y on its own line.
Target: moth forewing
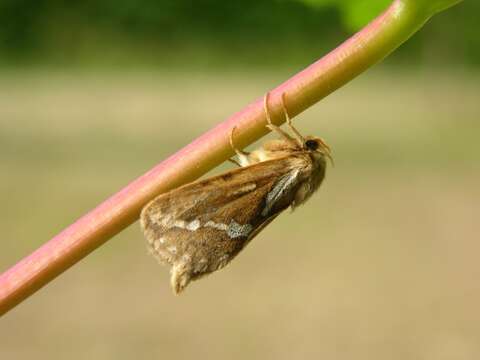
pixel 200 227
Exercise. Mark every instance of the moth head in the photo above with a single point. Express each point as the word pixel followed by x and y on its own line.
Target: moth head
pixel 317 146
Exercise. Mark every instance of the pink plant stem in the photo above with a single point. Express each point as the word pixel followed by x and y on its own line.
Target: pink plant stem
pixel 361 51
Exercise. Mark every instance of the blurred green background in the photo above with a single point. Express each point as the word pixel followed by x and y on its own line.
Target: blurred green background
pixel 213 33
pixel 381 264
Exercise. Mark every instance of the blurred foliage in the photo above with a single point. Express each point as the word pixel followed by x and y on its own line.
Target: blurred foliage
pixel 212 32
pixel 354 13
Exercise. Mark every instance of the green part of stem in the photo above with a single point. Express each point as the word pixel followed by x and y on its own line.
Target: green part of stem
pixel 367 47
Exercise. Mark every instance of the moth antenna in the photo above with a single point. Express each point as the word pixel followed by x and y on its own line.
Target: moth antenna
pixel 327 150
pixel 325 145
pixel 298 136
pixel 273 127
pixel 329 156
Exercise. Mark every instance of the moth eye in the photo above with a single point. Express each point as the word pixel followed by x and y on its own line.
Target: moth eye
pixel 311 145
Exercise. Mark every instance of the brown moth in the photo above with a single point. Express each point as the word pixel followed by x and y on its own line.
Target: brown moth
pixel 200 227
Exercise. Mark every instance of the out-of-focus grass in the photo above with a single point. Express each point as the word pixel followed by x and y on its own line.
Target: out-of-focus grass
pixel 381 263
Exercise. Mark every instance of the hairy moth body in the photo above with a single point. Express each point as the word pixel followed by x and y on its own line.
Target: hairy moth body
pixel 200 227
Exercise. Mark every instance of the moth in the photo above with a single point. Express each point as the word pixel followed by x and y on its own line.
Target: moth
pixel 200 227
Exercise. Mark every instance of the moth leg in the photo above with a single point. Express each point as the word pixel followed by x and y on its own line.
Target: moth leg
pixel 232 144
pixel 242 155
pixel 300 139
pixel 273 127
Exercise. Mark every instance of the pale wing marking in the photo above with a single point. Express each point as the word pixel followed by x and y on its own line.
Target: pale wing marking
pixel 281 186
